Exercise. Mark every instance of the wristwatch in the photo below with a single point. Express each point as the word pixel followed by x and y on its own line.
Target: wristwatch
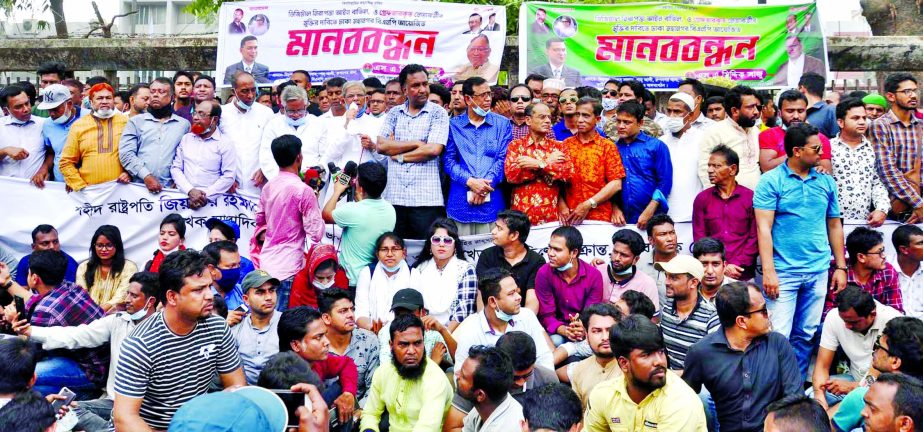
pixel 400 158
pixel 593 203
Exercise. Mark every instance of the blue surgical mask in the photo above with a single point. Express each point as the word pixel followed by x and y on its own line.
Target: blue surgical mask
pixel 294 123
pixel 503 316
pixel 390 269
pixel 141 313
pixel 625 272
pixel 243 107
pixel 480 111
pixel 86 103
pixel 228 278
pixel 565 267
pixel 610 104
pixel 63 118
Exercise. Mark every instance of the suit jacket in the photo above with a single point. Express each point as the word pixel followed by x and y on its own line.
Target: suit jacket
pixel 570 75
pixel 811 64
pixel 260 72
pixel 234 27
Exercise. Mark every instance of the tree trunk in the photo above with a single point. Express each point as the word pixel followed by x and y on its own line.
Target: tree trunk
pixel 57 10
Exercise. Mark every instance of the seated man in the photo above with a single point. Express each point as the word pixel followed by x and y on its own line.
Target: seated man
pixel 565 286
pixel 411 388
pixel 511 253
pixel 796 413
pixel 484 380
pixel 302 330
pixel 225 267
pixel 893 403
pixel 710 252
pixel 552 407
pixel 257 336
pixel 855 328
pixel 866 262
pixel 647 395
pixel 438 343
pixel 583 376
pixel 908 245
pixel 622 270
pixel 206 160
pixel 227 229
pixel 347 339
pixel 45 237
pixel 686 317
pixel 53 301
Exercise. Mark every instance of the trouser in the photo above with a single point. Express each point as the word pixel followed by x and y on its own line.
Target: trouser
pixel 796 312
pixel 53 373
pixel 94 415
pixel 832 399
pixel 468 229
pixel 414 222
pixel 284 292
pixel 711 414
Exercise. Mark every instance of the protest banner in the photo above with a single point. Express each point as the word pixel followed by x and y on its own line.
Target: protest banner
pixel 660 44
pixel 137 214
pixel 358 39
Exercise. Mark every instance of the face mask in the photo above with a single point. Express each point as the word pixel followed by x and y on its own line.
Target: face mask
pixel 86 103
pixel 141 313
pixel 625 272
pixel 104 113
pixel 503 316
pixel 294 123
pixel 390 269
pixel 63 118
pixel 565 267
pixel 162 112
pixel 243 107
pixel 610 104
pixel 323 286
pixel 674 124
pixel 200 130
pixel 480 111
pixel 228 278
pixel 19 122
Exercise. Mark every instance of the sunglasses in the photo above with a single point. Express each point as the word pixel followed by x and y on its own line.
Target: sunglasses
pixel 446 240
pixel 612 93
pixel 572 99
pixel 764 311
pixel 520 98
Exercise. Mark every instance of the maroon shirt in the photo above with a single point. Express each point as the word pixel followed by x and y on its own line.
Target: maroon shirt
pixel 732 221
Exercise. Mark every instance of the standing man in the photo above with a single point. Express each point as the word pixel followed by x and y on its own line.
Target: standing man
pixel 858 185
pixel 725 212
pixel 294 120
pixel 696 89
pixel 622 270
pixel 819 114
pixel 350 146
pixel 205 162
pixel 245 121
pixel 91 154
pixel 457 104
pixel 413 136
pixel 738 132
pixel 484 380
pixel 551 92
pixel 661 235
pixel 556 53
pixel 792 108
pixel 511 253
pixel 566 127
pixel 745 365
pixel 520 98
pixel 683 140
pixel 474 158
pixel 22 151
pixel 247 63
pixel 875 106
pixel 795 270
pixel 172 356
pixel 257 336
pixel 393 94
pixel 138 99
pixel 288 209
pixel 182 94
pixel 149 140
pixel 56 100
pixel 908 243
pixel 649 171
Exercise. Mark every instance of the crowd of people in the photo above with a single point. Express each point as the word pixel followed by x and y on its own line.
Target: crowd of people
pixel 829 338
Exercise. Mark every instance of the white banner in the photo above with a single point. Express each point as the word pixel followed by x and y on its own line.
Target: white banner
pixel 138 213
pixel 358 39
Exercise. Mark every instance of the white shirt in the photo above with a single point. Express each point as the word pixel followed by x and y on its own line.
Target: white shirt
pixel 348 146
pixel 911 289
pixel 310 134
pixel 743 141
pixel 506 417
pixel 684 155
pixel 475 330
pixel 26 136
pixel 795 70
pixel 439 288
pixel 247 131
pixel 111 329
pixel 857 346
pixel 374 292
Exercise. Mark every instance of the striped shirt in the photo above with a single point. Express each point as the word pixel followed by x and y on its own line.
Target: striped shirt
pixel 167 370
pixel 415 184
pixel 679 334
pixel 896 146
pixel 91 154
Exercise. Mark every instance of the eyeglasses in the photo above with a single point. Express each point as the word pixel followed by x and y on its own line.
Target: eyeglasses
pixel 572 99
pixel 524 376
pixel 104 246
pixel 394 250
pixel 612 93
pixel 300 112
pixel 486 94
pixel 520 98
pixel 907 92
pixel 446 240
pixel 878 346
pixel 880 253
pixel 816 149
pixel 764 311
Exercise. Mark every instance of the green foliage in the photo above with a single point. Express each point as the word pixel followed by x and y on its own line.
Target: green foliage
pixel 27 6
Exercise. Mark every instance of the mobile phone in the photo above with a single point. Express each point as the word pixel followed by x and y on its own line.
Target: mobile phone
pixel 241 308
pixel 20 307
pixel 68 398
pixel 334 417
pixel 292 401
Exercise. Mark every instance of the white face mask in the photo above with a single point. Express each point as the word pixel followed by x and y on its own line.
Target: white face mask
pixel 323 286
pixel 674 124
pixel 104 113
pixel 141 313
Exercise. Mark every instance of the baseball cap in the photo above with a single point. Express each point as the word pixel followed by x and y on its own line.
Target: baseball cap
pixel 875 99
pixel 247 409
pixel 407 298
pixel 684 98
pixel 257 278
pixel 210 224
pixel 682 264
pixel 53 96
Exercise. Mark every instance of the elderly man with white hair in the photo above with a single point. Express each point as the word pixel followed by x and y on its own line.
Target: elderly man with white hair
pixel 353 136
pixel 293 119
pixel 683 140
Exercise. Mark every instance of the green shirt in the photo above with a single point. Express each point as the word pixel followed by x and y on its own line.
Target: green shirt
pixel 362 223
pixel 849 415
pixel 416 405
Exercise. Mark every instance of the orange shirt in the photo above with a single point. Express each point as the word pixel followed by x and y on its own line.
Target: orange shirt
pixel 535 191
pixel 599 163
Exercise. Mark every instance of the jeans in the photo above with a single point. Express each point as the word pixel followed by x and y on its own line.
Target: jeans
pixel 832 399
pixel 711 413
pixel 94 415
pixel 284 292
pixel 796 312
pixel 53 373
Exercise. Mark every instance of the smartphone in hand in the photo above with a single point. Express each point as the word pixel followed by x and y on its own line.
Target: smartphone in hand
pixel 68 398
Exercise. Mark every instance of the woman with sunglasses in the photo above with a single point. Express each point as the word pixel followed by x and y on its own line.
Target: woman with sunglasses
pixel 105 275
pixel 448 282
pixel 379 281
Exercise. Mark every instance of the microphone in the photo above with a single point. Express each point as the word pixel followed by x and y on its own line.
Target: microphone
pixel 351 169
pixel 332 168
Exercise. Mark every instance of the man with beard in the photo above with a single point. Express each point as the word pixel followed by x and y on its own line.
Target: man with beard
pixel 91 154
pixel 738 132
pixel 683 140
pixel 149 140
pixel 347 339
pixel 745 365
pixel 551 90
pixel 302 330
pixel 622 271
pixel 412 388
pixel 710 252
pixel 138 99
pixel 205 163
pixel 898 140
pixel 62 114
pixel 182 92
pixel 686 316
pixel 861 192
pixel 171 357
pixel 484 380
pixel 246 120
pixel 792 108
pixel 646 395
pixel 23 152
pixel 457 104
pixel 899 350
pixel 598 319
pixel 257 336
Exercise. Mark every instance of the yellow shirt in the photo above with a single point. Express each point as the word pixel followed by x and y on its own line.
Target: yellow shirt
pixel 413 406
pixel 111 290
pixel 673 407
pixel 587 374
pixel 91 154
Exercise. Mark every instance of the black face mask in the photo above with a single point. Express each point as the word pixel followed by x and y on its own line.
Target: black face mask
pixel 162 112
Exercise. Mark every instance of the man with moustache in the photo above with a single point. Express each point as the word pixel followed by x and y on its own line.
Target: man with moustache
pixel 484 380
pixel 738 132
pixel 412 388
pixel 861 192
pixel 598 319
pixel 792 110
pixel 710 252
pixel 622 273
pixel 257 335
pixel 182 92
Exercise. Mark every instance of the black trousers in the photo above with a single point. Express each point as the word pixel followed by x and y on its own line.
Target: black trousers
pixel 414 222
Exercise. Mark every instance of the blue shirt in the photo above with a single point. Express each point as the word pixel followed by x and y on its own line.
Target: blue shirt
pixel 246 266
pixel 562 133
pixel 22 270
pixel 147 146
pixel 233 298
pixel 479 152
pixel 823 117
pixel 801 206
pixel 648 175
pixel 55 136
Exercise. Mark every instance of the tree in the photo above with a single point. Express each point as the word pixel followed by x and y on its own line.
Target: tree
pixel 41 6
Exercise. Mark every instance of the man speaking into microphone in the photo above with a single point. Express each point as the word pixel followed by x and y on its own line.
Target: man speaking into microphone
pixel 363 219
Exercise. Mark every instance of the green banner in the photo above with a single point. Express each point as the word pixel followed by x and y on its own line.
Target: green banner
pixel 662 43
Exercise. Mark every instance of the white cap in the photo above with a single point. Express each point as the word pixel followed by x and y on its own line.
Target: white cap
pixel 53 96
pixel 684 98
pixel 553 83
